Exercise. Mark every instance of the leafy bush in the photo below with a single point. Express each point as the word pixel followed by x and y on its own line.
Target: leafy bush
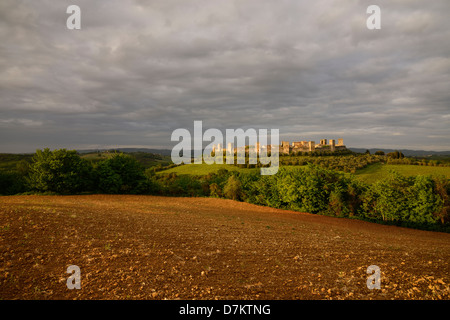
pixel 424 202
pixel 442 188
pixel 120 174
pixel 215 190
pixel 232 189
pixel 108 180
pixel 311 189
pixel 12 183
pixel 345 197
pixel 395 155
pixel 388 198
pixel 409 199
pixel 60 171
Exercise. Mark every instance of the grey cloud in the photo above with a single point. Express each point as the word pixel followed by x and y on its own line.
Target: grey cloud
pixel 137 70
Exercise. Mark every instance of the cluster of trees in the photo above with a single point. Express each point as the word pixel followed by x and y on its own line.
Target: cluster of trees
pixel 397 157
pixel 418 162
pixel 65 172
pixel 12 182
pixel 413 201
pixel 393 155
pixel 340 160
pixel 346 163
pixel 420 201
pixel 350 163
pixel 343 160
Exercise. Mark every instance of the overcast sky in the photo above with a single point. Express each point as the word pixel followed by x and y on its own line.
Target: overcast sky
pixel 137 70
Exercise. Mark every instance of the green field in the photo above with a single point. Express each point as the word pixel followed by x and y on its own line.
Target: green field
pixel 370 174
pixel 204 169
pixel 378 171
pixel 147 160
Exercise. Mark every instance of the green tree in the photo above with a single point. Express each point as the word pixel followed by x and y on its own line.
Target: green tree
pixel 108 180
pixel 388 198
pixel 120 174
pixel 345 196
pixel 424 202
pixel 265 191
pixel 12 183
pixel 287 186
pixel 215 191
pixel 395 155
pixel 61 171
pixel 442 188
pixel 23 167
pixel 314 188
pixel 232 189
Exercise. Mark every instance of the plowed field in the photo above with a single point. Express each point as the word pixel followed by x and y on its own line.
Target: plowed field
pixel 147 247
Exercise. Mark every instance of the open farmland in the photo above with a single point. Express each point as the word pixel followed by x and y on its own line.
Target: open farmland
pixel 204 169
pixel 369 174
pixel 148 247
pixel 378 171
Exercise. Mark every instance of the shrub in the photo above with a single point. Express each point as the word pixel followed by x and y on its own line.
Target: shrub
pixel 12 183
pixel 424 202
pixel 109 181
pixel 120 174
pixel 189 185
pixel 388 199
pixel 215 190
pixel 232 189
pixel 407 199
pixel 60 171
pixel 442 188
pixel 345 197
pixel 395 155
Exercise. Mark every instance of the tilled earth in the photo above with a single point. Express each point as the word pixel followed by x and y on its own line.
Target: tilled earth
pixel 147 247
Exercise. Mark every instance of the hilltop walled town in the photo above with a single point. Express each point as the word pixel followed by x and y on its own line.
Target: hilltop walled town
pixel 287 148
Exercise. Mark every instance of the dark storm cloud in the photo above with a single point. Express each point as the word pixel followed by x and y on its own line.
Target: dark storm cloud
pixel 137 70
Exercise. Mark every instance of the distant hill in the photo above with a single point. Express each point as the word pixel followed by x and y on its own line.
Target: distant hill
pixel 163 152
pixel 406 152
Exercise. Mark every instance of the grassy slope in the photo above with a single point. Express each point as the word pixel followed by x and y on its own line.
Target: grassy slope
pixel 378 171
pixel 369 174
pixel 204 169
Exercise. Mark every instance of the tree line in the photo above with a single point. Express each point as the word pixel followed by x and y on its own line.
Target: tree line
pixel 345 160
pixel 418 201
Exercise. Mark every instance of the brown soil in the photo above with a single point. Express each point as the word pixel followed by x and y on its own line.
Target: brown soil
pixel 146 247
